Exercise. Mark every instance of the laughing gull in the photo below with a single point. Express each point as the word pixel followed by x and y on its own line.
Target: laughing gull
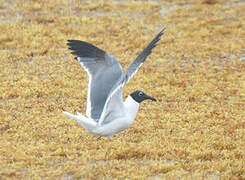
pixel 107 113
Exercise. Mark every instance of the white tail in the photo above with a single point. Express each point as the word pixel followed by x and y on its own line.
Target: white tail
pixel 86 123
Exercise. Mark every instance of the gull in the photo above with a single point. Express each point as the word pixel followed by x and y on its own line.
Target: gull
pixel 107 113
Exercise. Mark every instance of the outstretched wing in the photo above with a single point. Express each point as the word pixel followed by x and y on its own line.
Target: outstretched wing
pixel 103 71
pixel 116 91
pixel 133 68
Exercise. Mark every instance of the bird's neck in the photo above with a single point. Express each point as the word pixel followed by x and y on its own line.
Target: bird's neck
pixel 131 106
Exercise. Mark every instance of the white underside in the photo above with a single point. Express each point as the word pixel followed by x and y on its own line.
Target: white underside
pixel 116 120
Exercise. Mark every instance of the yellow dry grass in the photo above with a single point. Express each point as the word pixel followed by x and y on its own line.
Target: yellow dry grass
pixel 196 129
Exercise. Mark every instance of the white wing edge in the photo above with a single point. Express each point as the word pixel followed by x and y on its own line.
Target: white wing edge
pixel 88 108
pixel 108 99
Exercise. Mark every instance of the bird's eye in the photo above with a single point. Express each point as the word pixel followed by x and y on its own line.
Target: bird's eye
pixel 140 93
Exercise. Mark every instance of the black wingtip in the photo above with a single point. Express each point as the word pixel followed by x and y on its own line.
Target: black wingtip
pixel 158 36
pixel 162 30
pixel 69 42
pixel 161 33
pixel 84 49
pixel 154 42
pixel 147 51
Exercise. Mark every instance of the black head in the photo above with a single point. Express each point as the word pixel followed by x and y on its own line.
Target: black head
pixel 140 96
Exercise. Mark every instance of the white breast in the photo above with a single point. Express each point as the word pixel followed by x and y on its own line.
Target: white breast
pixel 131 107
pixel 121 122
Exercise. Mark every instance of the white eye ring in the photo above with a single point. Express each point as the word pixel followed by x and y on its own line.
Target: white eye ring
pixel 140 93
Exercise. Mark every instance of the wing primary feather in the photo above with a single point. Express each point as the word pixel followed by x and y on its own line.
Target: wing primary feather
pixel 84 49
pixel 132 69
pixel 147 51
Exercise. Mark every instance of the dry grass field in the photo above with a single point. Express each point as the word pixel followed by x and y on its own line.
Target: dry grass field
pixel 196 129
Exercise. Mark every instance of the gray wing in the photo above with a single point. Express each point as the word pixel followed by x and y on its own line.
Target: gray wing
pixel 116 91
pixel 133 68
pixel 114 103
pixel 103 71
